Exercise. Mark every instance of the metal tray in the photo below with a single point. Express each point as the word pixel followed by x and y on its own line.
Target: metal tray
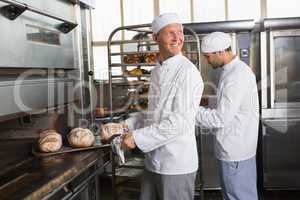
pixel 64 149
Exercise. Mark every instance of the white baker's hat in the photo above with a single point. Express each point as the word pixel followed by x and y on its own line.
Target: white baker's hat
pixel 163 20
pixel 215 41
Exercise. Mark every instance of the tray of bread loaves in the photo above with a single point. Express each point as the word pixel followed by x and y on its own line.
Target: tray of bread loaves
pixel 50 142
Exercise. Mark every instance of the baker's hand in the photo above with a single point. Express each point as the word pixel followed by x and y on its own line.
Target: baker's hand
pixel 128 141
pixel 110 129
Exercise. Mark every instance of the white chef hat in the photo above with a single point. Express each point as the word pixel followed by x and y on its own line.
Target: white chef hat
pixel 163 20
pixel 215 41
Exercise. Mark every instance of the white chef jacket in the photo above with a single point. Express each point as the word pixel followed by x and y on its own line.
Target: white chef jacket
pixel 166 132
pixel 235 120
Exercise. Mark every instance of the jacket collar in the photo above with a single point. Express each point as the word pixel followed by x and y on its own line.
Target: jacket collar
pixel 170 62
pixel 229 65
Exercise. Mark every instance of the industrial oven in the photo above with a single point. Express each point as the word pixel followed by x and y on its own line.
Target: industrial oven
pixel 280 102
pixel 45 82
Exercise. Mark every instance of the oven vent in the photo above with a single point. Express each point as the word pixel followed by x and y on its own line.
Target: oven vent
pixel 15 9
pixel 11 11
pixel 66 27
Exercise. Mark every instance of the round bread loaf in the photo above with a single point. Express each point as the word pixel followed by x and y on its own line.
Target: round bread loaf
pixel 49 141
pixel 81 137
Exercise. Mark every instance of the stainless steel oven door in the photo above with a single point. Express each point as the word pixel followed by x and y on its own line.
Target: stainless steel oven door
pixel 281 162
pixel 33 41
pixel 282 70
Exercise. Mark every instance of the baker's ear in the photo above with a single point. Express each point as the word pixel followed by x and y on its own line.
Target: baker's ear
pixel 155 37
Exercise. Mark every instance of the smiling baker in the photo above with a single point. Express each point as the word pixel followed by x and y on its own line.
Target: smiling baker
pixel 166 132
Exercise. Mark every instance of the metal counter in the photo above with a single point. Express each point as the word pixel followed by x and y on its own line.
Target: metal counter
pixel 57 177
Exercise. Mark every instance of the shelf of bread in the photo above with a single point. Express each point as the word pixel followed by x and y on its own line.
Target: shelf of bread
pixel 136 58
pixel 136 72
pixel 140 57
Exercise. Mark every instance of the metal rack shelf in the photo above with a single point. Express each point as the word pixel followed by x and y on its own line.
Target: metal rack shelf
pixel 132 76
pixel 132 64
pixel 133 52
pixel 132 83
pixel 119 42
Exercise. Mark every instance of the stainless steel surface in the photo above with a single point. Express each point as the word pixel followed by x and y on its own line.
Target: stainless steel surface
pixel 34 95
pixel 31 43
pixel 209 162
pixel 280 103
pixel 231 26
pixel 19 51
pixel 281 153
pixel 55 7
pixel 35 10
pixel 272 70
pixel 90 3
pixel 264 81
pixel 43 72
pixel 281 23
pixel 287 73
pixel 88 93
pixel 280 80
pixel 280 113
pixel 60 177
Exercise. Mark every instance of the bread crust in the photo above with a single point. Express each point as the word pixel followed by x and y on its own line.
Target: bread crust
pixel 81 137
pixel 49 141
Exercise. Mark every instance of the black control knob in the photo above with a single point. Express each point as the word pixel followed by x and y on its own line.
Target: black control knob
pixel 90 73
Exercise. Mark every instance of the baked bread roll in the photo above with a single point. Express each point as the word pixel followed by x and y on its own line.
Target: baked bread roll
pixel 49 141
pixel 111 129
pixel 136 72
pixel 150 57
pixel 132 59
pixel 81 137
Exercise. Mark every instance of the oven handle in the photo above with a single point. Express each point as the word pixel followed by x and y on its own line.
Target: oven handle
pixel 65 27
pixel 281 120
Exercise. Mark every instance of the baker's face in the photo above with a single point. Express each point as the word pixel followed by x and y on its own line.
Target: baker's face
pixel 170 40
pixel 214 59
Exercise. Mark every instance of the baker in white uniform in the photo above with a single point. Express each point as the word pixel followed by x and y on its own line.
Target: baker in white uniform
pixel 166 132
pixel 235 120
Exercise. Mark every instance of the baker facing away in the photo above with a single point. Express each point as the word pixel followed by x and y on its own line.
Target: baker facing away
pixel 235 119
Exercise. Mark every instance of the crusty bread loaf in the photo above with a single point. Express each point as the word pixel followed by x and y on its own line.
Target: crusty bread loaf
pixel 49 141
pixel 111 129
pixel 81 137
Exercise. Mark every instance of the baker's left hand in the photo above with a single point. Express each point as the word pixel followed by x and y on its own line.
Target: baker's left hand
pixel 128 141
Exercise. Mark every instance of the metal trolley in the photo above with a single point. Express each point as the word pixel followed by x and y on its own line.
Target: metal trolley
pixel 126 89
